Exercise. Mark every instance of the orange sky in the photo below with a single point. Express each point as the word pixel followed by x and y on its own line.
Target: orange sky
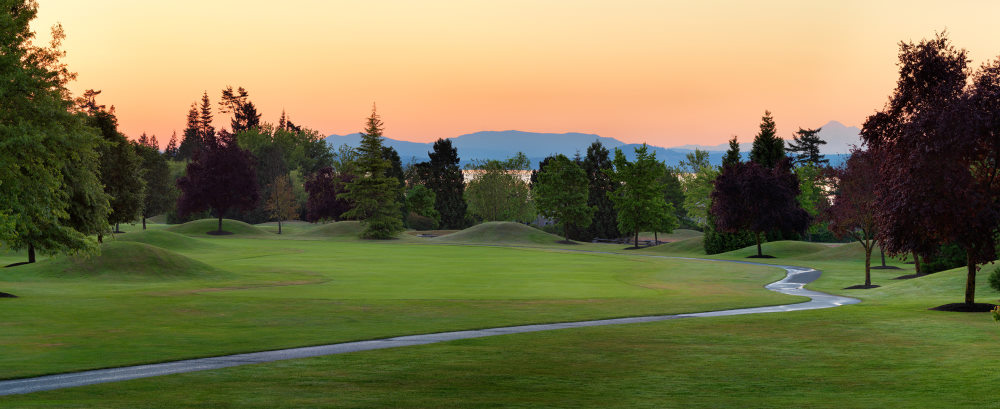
pixel 667 73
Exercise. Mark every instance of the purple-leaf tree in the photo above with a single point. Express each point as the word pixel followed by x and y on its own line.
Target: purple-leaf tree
pixel 220 177
pixel 324 189
pixel 852 213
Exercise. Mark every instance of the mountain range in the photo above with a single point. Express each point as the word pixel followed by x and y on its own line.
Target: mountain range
pixel 536 146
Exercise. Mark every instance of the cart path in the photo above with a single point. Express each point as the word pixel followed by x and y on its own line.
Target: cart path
pixel 792 284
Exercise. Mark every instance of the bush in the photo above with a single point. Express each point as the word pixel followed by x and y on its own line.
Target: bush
pixel 418 222
pixel 996 314
pixel 949 256
pixel 995 279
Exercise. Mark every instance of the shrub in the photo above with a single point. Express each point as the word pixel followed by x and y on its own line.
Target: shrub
pixel 418 222
pixel 995 279
pixel 996 314
pixel 949 256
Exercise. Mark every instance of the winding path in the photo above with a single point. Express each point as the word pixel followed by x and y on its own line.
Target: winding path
pixel 792 284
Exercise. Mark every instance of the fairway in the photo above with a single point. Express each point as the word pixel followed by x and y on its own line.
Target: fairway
pixel 261 291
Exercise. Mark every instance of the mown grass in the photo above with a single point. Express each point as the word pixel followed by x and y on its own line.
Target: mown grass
pixel 888 351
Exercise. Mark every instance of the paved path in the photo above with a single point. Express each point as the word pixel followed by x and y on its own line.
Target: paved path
pixel 792 284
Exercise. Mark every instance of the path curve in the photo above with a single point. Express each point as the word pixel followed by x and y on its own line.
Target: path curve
pixel 793 284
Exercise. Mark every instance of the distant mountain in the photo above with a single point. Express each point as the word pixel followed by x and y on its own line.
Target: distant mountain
pixel 536 146
pixel 839 139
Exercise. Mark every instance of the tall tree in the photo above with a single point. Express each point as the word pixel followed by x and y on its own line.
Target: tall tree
pixel 749 196
pixel 805 146
pixel 206 131
pixel 733 154
pixel 498 192
pixel 192 136
pixel 375 194
pixel 244 112
pixel 697 178
pixel 598 166
pixel 160 194
pixel 420 202
pixel 221 177
pixel 852 213
pixel 325 200
pixel 938 146
pixel 673 193
pixel 768 149
pixel 281 201
pixel 561 194
pixel 171 150
pixel 121 167
pixel 443 176
pixel 638 196
pixel 47 153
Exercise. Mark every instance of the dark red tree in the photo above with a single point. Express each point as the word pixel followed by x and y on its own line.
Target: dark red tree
pixel 220 177
pixel 324 189
pixel 938 145
pixel 852 213
pixel 749 196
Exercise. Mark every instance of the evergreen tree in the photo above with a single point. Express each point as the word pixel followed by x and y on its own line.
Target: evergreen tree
pixel 244 112
pixel 561 194
pixel 192 141
pixel 160 194
pixel 206 131
pixel 768 149
pixel 121 169
pixel 733 154
pixel 597 165
pixel 375 194
pixel 442 175
pixel 171 151
pixel 395 171
pixel 805 146
pixel 638 197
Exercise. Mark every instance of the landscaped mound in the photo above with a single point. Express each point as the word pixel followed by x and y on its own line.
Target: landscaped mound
pixel 693 246
pixel 500 232
pixel 123 260
pixel 165 239
pixel 204 226
pixel 347 228
pixel 780 249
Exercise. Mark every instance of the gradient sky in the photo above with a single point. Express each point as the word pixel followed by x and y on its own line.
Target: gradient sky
pixel 664 72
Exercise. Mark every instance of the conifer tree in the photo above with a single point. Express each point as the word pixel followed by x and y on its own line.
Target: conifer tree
pixel 192 136
pixel 805 146
pixel 733 154
pixel 121 168
pixel 171 151
pixel 375 194
pixel 598 166
pixel 160 194
pixel 768 149
pixel 442 175
pixel 206 131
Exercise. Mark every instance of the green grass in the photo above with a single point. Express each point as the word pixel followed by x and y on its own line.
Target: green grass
pixel 499 233
pixel 889 351
pixel 203 226
pixel 123 261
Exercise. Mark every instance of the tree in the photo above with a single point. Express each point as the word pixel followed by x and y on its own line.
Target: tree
pixel 281 201
pixel 375 195
pixel 160 194
pixel 498 193
pixel 805 145
pixel 192 136
pixel 812 196
pixel 937 142
pixel 220 177
pixel 171 151
pixel 420 202
pixel 733 154
pixel 673 193
pixel 749 196
pixel 325 202
pixel 598 166
pixel 638 197
pixel 768 149
pixel 852 213
pixel 442 175
pixel 238 103
pixel 48 159
pixel 561 194
pixel 697 178
pixel 120 166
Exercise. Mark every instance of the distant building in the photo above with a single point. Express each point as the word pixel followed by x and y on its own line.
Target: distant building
pixel 469 175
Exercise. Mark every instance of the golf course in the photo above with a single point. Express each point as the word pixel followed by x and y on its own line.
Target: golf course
pixel 173 292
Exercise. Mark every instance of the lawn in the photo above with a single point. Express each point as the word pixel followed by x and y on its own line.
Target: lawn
pixel 888 351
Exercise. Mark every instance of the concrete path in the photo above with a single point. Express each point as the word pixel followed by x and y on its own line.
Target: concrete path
pixel 792 284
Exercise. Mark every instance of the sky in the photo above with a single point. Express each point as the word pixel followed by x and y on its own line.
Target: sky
pixel 663 72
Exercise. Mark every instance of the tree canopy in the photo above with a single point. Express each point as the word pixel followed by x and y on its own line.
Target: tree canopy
pixel 805 147
pixel 373 193
pixel 598 167
pixel 852 213
pixel 498 193
pixel 768 149
pixel 638 196
pixel 221 177
pixel 561 194
pixel 442 175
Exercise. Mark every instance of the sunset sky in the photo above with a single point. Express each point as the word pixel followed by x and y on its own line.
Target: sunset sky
pixel 667 73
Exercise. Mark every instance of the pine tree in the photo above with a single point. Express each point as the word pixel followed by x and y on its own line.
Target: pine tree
pixel 121 170
pixel 374 194
pixel 160 194
pixel 805 145
pixel 171 151
pixel 192 142
pixel 206 131
pixel 733 154
pixel 443 176
pixel 597 165
pixel 768 149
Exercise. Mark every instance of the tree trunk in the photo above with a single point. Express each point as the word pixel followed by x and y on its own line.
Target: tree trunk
pixel 916 261
pixel 759 253
pixel 566 231
pixel 100 238
pixel 636 241
pixel 970 280
pixel 117 229
pixel 31 253
pixel 883 255
pixel 868 266
pixel 279 225
pixel 220 222
pixel 656 239
pixel 144 222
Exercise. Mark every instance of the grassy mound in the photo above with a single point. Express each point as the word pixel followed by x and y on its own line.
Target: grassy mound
pixel 347 228
pixel 203 226
pixel 694 246
pixel 780 249
pixel 122 260
pixel 848 251
pixel 500 232
pixel 676 235
pixel 165 239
